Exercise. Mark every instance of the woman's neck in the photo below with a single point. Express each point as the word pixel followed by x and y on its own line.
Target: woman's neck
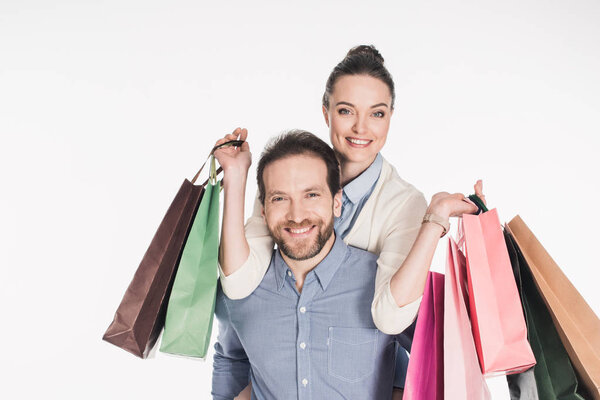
pixel 351 170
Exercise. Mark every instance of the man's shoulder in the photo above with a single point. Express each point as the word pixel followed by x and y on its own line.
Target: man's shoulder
pixel 360 257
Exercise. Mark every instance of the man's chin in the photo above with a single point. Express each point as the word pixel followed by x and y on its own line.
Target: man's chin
pixel 300 254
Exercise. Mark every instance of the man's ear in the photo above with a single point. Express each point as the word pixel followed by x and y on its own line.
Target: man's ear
pixel 326 115
pixel 337 203
pixel 262 213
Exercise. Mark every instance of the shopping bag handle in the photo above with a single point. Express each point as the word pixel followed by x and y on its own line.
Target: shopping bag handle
pixel 460 233
pixel 481 208
pixel 213 171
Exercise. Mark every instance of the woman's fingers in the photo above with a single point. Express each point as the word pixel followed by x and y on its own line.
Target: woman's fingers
pixel 241 133
pixel 479 190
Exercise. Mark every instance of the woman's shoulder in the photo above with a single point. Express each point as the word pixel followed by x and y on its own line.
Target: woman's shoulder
pixel 392 186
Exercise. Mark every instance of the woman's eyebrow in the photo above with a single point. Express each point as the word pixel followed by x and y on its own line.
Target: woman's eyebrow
pixel 379 105
pixel 352 105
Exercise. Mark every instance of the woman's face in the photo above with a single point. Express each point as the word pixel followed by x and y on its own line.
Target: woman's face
pixel 358 118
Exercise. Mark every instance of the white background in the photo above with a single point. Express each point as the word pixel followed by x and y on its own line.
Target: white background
pixel 106 106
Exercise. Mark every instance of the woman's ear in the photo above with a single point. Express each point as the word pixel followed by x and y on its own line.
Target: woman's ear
pixel 326 115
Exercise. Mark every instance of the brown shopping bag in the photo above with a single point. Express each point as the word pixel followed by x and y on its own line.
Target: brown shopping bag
pixel 576 323
pixel 140 316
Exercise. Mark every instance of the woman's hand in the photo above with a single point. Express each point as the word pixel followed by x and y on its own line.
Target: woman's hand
pixel 448 205
pixel 234 159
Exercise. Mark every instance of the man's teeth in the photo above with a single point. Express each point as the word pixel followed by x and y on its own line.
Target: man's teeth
pixel 299 230
pixel 358 141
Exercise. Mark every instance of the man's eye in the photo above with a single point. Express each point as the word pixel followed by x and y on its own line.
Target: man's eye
pixel 378 114
pixel 279 198
pixel 313 195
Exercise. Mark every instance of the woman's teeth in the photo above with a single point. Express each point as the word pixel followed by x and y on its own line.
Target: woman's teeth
pixel 358 141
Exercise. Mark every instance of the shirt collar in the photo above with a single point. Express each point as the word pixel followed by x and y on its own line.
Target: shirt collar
pixel 362 184
pixel 324 271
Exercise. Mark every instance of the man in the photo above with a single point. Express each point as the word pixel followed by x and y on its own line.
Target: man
pixel 306 332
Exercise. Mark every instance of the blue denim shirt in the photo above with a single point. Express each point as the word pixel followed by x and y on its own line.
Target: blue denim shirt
pixel 355 194
pixel 317 344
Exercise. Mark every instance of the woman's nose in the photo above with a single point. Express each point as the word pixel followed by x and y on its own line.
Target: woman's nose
pixel 360 125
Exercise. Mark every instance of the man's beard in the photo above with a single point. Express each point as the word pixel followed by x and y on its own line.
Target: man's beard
pixel 302 251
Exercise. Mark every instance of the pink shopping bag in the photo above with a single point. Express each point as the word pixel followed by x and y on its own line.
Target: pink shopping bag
pixel 462 375
pixel 425 373
pixel 498 323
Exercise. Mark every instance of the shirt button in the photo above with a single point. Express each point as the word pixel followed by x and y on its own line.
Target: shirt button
pixel 302 345
pixel 289 273
pixel 305 381
pixel 302 310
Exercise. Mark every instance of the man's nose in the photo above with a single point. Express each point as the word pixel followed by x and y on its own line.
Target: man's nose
pixel 296 212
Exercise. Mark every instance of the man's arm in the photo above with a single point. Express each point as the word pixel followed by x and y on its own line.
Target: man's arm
pixel 231 367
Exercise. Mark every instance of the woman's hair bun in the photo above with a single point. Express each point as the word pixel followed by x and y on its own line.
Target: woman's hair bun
pixel 367 50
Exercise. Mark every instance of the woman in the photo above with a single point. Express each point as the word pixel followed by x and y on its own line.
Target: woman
pixel 381 212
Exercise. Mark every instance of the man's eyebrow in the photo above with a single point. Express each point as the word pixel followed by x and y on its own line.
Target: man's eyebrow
pixel 352 105
pixel 313 189
pixel 275 193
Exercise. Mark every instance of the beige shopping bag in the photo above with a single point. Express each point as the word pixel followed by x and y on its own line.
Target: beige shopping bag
pixel 576 323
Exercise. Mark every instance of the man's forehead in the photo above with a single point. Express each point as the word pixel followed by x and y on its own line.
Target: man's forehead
pixel 296 172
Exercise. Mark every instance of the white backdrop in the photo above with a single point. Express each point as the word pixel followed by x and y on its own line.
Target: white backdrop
pixel 106 106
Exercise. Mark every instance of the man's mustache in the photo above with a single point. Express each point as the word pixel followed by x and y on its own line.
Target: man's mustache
pixel 297 225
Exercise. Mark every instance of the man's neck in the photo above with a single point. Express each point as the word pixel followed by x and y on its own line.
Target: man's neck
pixel 301 268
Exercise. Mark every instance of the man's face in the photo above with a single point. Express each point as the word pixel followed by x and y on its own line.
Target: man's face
pixel 299 207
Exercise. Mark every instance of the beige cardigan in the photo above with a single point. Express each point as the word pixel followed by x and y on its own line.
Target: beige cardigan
pixel 387 225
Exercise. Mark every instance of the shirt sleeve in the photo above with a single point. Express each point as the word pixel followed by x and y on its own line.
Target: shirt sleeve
pixel 399 234
pixel 242 282
pixel 231 367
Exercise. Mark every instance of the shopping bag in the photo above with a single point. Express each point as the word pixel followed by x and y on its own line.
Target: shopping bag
pixel 496 314
pixel 140 316
pixel 462 374
pixel 521 386
pixel 188 324
pixel 425 373
pixel 575 322
pixel 553 376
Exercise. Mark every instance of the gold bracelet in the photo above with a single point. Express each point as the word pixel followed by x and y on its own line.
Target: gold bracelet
pixel 436 219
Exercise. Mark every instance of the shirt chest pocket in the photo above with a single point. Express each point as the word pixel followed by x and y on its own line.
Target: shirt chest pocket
pixel 351 352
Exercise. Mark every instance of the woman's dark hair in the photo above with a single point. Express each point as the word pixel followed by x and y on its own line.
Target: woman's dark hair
pixel 360 60
pixel 297 142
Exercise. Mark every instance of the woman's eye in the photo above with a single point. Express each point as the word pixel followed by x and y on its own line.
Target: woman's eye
pixel 378 114
pixel 343 111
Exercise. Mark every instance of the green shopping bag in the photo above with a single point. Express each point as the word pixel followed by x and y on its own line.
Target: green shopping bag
pixel 188 323
pixel 554 374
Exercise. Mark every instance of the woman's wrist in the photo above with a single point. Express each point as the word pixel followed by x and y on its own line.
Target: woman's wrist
pixel 439 211
pixel 441 222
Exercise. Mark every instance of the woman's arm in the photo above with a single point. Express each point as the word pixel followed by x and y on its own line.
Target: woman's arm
pixel 245 252
pixel 405 257
pixel 408 282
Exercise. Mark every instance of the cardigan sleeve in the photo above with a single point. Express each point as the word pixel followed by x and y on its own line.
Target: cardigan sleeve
pixel 396 236
pixel 242 282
